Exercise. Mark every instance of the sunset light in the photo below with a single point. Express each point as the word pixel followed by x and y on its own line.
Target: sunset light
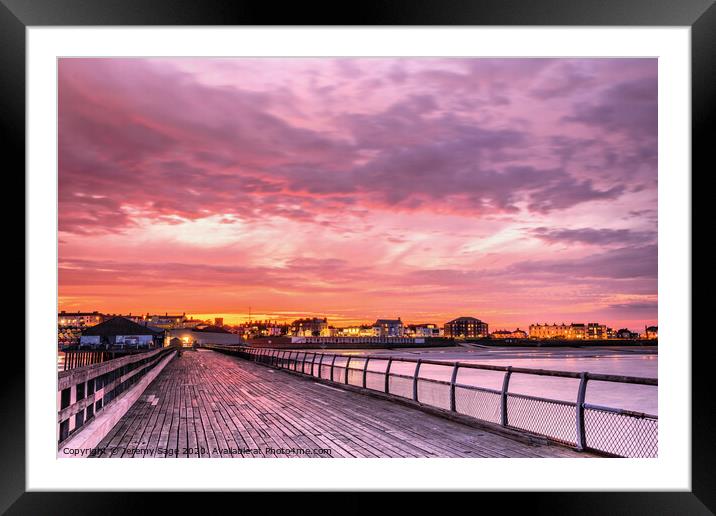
pixel 518 190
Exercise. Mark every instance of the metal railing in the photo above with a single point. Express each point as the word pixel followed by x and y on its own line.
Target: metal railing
pixel 85 391
pixel 579 424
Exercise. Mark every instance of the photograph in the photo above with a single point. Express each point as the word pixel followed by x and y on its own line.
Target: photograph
pixel 357 257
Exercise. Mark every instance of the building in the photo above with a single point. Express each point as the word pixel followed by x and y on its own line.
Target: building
pixel 651 332
pixel 389 327
pixel 422 330
pixel 120 332
pixel 192 323
pixel 597 331
pixel 625 333
pixel 310 327
pixel 166 321
pixel 577 331
pixel 509 334
pixel 364 330
pixel 573 331
pixel 202 335
pixel 218 321
pixel 267 328
pixel 548 331
pixel 465 328
pixel 68 336
pixel 78 319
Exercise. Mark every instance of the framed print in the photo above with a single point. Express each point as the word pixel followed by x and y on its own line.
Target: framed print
pixel 447 247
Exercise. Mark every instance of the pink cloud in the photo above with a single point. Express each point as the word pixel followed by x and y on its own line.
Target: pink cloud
pixel 359 172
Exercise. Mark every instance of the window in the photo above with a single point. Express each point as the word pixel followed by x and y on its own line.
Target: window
pixel 80 391
pixel 79 419
pixel 64 429
pixel 65 398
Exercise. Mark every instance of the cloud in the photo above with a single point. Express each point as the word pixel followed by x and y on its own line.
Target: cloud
pixel 592 236
pixel 621 263
pixel 636 306
pixel 373 184
pixel 629 106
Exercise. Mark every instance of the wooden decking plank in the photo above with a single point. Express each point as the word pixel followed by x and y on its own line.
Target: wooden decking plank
pixel 206 400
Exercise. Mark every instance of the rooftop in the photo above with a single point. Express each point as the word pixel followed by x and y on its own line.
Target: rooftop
pixel 465 319
pixel 211 329
pixel 120 326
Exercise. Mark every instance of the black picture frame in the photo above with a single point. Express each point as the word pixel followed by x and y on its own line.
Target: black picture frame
pixel 17 15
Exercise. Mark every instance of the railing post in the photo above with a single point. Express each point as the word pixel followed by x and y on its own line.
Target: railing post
pixel 581 394
pixel 365 371
pixel 313 361
pixel 387 375
pixel 348 365
pixel 333 363
pixel 320 365
pixel 415 380
pixel 453 379
pixel 505 387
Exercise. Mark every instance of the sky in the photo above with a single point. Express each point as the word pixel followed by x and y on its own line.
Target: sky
pixel 517 191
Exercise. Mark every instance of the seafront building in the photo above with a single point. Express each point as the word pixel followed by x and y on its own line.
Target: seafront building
pixel 422 330
pixel 120 332
pixel 310 327
pixel 389 327
pixel 509 334
pixel 78 319
pixel 466 328
pixel 651 332
pixel 73 325
pixel 363 330
pixel 573 331
pixel 201 335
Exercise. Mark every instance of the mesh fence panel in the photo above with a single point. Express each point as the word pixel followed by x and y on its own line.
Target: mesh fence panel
pixel 326 371
pixel 554 419
pixel 400 386
pixel 311 367
pixel 621 434
pixel 478 403
pixel 434 394
pixel 339 374
pixel 375 381
pixel 355 377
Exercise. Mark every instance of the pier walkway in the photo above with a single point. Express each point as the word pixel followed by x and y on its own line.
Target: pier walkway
pixel 207 404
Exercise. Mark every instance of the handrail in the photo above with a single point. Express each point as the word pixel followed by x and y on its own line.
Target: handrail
pixel 638 380
pixel 577 423
pixel 64 377
pixel 86 390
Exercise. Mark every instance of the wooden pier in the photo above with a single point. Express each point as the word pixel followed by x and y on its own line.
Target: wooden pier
pixel 207 404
